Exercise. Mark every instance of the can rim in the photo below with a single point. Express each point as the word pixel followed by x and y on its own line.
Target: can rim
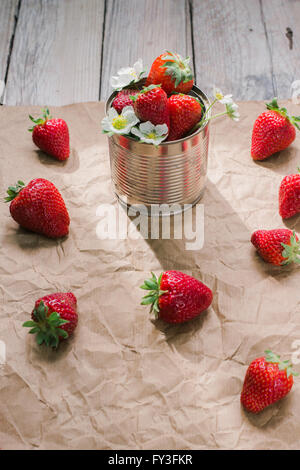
pixel 199 94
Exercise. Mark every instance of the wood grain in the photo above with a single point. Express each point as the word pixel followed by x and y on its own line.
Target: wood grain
pixel 8 10
pixel 142 28
pixel 280 15
pixel 56 55
pixel 231 48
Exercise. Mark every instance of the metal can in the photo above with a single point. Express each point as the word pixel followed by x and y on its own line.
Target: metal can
pixel 170 174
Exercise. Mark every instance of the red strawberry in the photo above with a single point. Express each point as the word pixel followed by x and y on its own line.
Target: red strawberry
pixel 51 135
pixel 185 112
pixel 123 99
pixel 267 380
pixel 273 131
pixel 289 196
pixel 151 104
pixel 54 318
pixel 279 246
pixel 39 207
pixel 176 297
pixel 172 72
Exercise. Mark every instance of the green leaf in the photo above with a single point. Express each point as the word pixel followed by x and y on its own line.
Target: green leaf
pixel 40 338
pixel 13 191
pixel 177 68
pixel 41 120
pixel 47 327
pixel 149 300
pixel 282 365
pixel 54 316
pixel 291 251
pixel 144 287
pixel 29 324
pixel 62 333
pixel 154 293
pixel 34 330
pixel 151 284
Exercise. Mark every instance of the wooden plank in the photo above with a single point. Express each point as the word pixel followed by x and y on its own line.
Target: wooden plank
pixel 8 11
pixel 280 15
pixel 142 28
pixel 231 48
pixel 56 56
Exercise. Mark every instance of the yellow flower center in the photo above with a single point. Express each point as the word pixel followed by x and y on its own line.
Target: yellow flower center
pixel 151 135
pixel 219 96
pixel 119 122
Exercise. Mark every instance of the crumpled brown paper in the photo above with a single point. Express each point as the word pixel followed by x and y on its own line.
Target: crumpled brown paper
pixel 124 381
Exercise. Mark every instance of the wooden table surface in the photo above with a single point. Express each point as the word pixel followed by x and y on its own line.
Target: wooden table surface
pixel 57 52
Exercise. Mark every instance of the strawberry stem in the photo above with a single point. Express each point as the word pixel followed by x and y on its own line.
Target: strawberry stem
pixel 291 251
pixel 282 365
pixel 40 121
pixel 47 328
pixel 152 298
pixel 273 106
pixel 177 68
pixel 13 191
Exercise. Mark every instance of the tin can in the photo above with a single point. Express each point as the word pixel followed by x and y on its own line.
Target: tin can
pixel 171 174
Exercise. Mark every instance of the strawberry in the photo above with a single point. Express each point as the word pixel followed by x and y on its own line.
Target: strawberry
pixel 39 207
pixel 151 104
pixel 279 246
pixel 268 379
pixel 172 72
pixel 51 135
pixel 54 318
pixel 123 99
pixel 185 112
pixel 289 196
pixel 176 297
pixel 273 131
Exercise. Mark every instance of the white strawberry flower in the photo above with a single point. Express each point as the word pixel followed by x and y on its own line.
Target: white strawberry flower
pixel 115 123
pixel 232 111
pixel 128 75
pixel 219 96
pixel 151 134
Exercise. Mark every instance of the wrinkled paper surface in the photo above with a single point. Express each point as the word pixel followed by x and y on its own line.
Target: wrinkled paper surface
pixel 124 381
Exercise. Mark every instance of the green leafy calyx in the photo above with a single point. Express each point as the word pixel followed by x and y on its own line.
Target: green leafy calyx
pixel 282 365
pixel 13 191
pixel 46 327
pixel 153 286
pixel 291 251
pixel 177 68
pixel 40 121
pixel 273 106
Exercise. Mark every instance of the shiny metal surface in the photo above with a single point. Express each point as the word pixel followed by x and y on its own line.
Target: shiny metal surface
pixel 172 173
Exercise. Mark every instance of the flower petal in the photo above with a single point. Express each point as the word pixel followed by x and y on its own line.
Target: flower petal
pixel 138 67
pixel 127 110
pixel 137 132
pixel 105 124
pixel 147 127
pixel 129 114
pixel 112 113
pixel 125 71
pixel 217 91
pixel 161 129
pixel 226 99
